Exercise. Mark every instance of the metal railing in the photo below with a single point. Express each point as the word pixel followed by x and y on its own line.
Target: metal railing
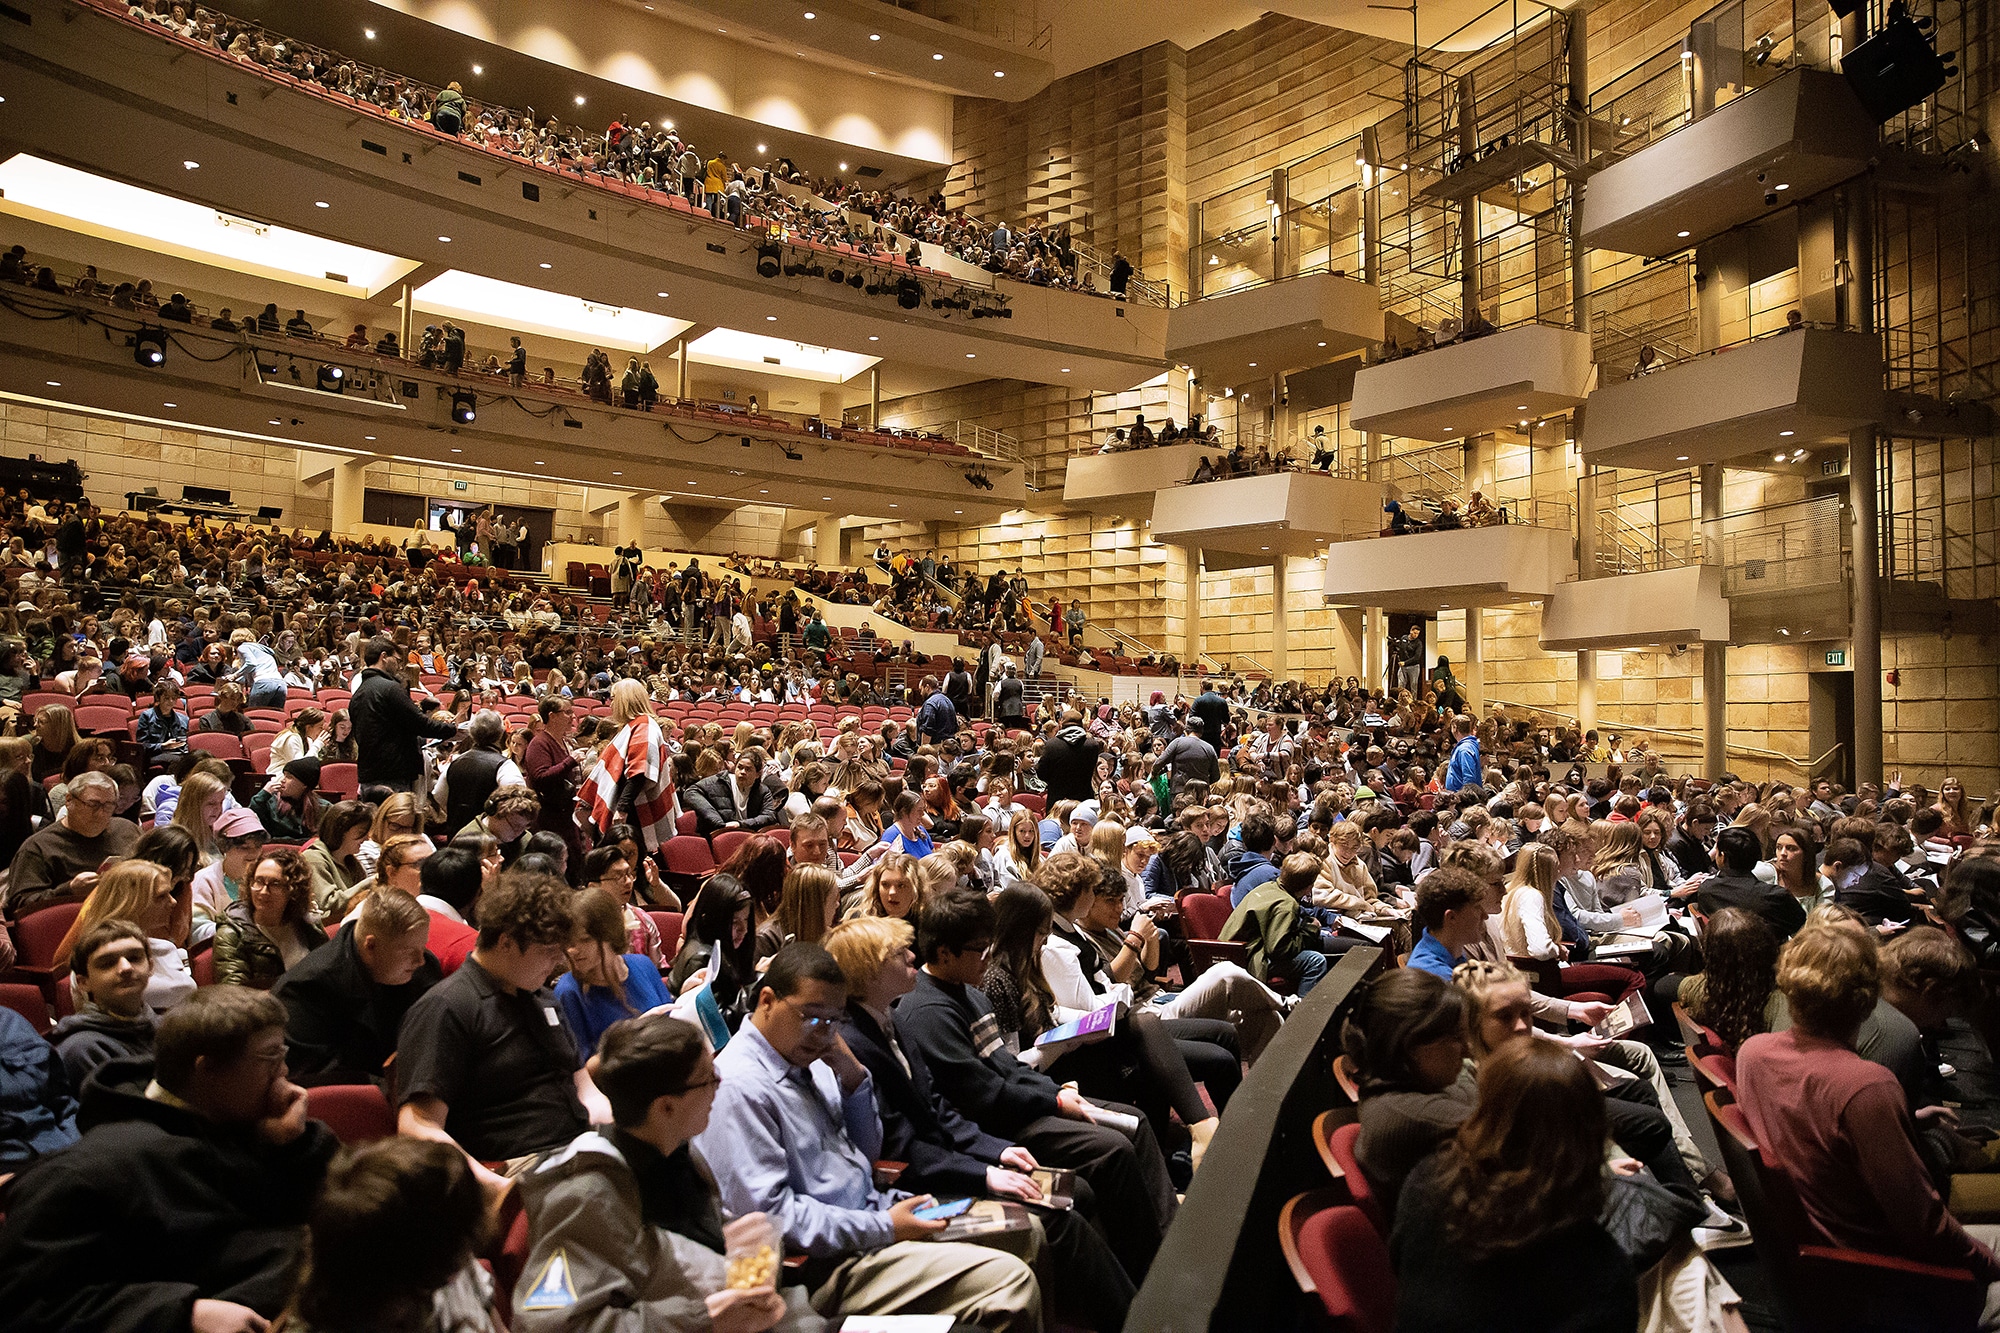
pixel 1785 547
pixel 1808 766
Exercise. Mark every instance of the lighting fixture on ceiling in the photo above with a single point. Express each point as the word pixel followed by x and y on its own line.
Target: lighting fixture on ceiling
pixel 190 164
pixel 874 36
pixel 479 69
pixel 579 99
pixel 464 409
pixel 369 33
pixel 1787 432
pixel 937 55
pixel 321 203
pixel 1683 235
pixel 149 347
pixel 999 73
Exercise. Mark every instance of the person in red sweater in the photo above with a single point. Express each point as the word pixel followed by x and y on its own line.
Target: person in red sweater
pixel 552 771
pixel 1839 1126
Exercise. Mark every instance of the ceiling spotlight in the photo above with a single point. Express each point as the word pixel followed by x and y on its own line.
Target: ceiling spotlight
pixel 321 203
pixel 479 69
pixel 874 337
pixel 811 15
pixel 843 166
pixel 762 149
pixel 1778 457
pixel 53 384
pixel 1322 344
pixel 579 99
pixel 369 33
pixel 368 437
pixel 1781 185
pixel 1680 458
pixel 190 164
pixel 332 379
pixel 169 404
pixel 464 408
pixel 1787 432
pixel 149 347
pixel 547 265
pixel 1683 235
pixel 999 73
pixel 445 239
pixel 772 318
pixel 874 36
pixel 937 55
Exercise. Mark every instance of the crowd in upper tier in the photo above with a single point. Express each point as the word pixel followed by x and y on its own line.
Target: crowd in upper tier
pixel 660 159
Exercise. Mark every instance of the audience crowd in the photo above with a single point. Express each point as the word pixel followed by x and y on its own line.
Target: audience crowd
pixel 825 212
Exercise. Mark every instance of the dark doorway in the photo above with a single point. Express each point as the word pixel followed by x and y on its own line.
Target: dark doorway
pixel 1831 698
pixel 539 522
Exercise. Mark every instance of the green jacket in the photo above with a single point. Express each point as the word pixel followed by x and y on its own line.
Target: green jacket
pixel 1270 925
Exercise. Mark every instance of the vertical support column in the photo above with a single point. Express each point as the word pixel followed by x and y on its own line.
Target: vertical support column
pixel 830 406
pixel 1371 207
pixel 1374 647
pixel 350 480
pixel 826 542
pixel 632 519
pixel 1586 690
pixel 407 321
pixel 681 369
pixel 1190 559
pixel 874 397
pixel 1861 493
pixel 1281 630
pixel 1468 231
pixel 1475 660
pixel 1586 567
pixel 1282 259
pixel 1714 656
pixel 1195 248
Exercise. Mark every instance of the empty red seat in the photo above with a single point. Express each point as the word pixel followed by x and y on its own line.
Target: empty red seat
pixel 356 1113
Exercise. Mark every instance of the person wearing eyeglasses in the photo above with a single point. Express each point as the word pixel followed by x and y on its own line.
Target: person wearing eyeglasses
pixel 794 1135
pixel 59 863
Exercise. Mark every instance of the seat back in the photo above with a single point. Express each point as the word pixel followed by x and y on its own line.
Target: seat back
pixel 37 934
pixel 1205 915
pixel 1340 1145
pixel 340 779
pixel 27 1001
pixel 670 925
pixel 1349 1265
pixel 356 1113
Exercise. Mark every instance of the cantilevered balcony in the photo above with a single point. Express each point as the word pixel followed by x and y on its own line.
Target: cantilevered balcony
pixel 1284 513
pixel 1477 386
pixel 1659 606
pixel 1424 573
pixel 1124 483
pixel 1275 326
pixel 1799 134
pixel 1750 404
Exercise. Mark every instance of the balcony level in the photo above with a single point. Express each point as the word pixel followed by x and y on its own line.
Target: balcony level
pixel 1427 572
pixel 90 90
pixel 1477 386
pixel 1284 513
pixel 1743 405
pixel 1124 483
pixel 1276 326
pixel 1660 606
pixel 1800 134
pixel 267 389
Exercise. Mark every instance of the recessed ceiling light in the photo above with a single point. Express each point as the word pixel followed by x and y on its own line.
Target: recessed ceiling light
pixel 970 355
pixel 694 483
pixel 368 437
pixel 1782 186
pixel 1520 407
pixel 874 36
pixel 1322 344
pixel 999 73
pixel 762 149
pixel 1263 548
pixel 579 99
pixel 169 404
pixel 1683 235
pixel 939 55
pixel 772 318
pixel 826 497
pixel 540 463
pixel 1449 429
pixel 958 511
pixel 276 422
pixel 369 33
pixel 479 69
pixel 57 384
pixel 1065 370
pixel 445 239
pixel 1680 458
pixel 762 492
pixel 455 449
pixel 1787 432
pixel 617 474
pixel 1778 457
pixel 894 505
pixel 1253 365
pixel 811 15
pixel 659 293
pixel 874 337
pixel 190 164
pixel 321 203
pixel 843 166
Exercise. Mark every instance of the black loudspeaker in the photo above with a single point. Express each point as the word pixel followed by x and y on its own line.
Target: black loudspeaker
pixel 1895 69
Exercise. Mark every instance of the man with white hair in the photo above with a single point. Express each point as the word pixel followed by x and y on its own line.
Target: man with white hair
pixel 477 772
pixel 58 864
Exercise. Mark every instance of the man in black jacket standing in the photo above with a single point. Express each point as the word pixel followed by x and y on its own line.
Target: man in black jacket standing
pixel 184 1204
pixel 1213 713
pixel 945 1153
pixel 1069 760
pixel 388 726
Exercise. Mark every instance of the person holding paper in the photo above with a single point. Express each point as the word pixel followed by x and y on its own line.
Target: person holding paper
pixel 951 1022
pixel 948 1154
pixel 794 1134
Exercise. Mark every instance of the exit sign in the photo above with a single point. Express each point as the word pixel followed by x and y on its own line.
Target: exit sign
pixel 1836 657
pixel 458 485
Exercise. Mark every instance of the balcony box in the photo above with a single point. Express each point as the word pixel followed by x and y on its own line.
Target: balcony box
pixel 1276 326
pixel 1660 606
pixel 1801 133
pixel 1740 406
pixel 1124 483
pixel 1286 513
pixel 1472 388
pixel 1433 571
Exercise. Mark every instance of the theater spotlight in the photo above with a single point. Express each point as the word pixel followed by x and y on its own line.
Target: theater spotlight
pixel 814 270
pixel 909 293
pixel 873 289
pixel 855 279
pixel 464 406
pixel 794 457
pixel 767 261
pixel 149 347
pixel 836 275
pixel 332 379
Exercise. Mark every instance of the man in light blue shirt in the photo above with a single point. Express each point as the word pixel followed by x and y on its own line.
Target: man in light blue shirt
pixel 794 1133
pixel 257 671
pixel 1466 768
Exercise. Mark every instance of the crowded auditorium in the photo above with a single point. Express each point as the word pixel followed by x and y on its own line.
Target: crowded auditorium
pixel 918 666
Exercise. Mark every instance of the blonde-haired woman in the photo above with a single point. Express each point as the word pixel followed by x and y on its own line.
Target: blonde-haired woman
pixel 894 887
pixel 1958 820
pixel 1527 914
pixel 202 799
pixel 633 782
pixel 400 814
pixel 143 893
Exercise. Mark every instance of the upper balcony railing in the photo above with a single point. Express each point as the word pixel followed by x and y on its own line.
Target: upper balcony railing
pixel 1303 218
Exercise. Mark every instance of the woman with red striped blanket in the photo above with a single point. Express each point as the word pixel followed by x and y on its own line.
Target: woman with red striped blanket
pixel 633 782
